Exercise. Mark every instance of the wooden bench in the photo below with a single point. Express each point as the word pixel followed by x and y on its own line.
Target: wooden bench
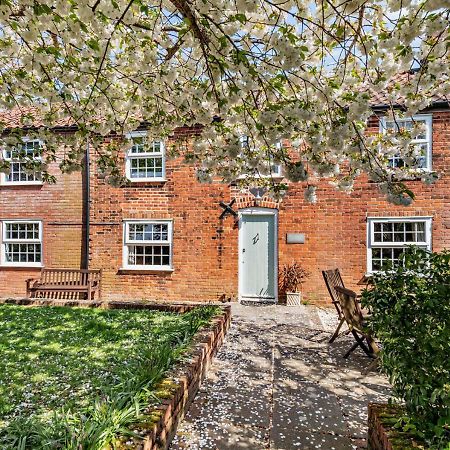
pixel 66 284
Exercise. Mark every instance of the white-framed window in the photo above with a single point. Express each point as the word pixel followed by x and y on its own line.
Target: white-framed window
pixel 145 160
pixel 423 142
pixel 388 237
pixel 148 244
pixel 21 163
pixel 21 243
pixel 274 170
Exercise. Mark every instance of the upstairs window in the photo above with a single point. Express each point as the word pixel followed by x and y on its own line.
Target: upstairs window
pixel 423 142
pixel 148 245
pixel 21 243
pixel 273 170
pixel 145 160
pixel 388 238
pixel 21 161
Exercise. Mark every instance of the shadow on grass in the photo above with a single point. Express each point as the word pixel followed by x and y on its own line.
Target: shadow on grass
pixel 77 378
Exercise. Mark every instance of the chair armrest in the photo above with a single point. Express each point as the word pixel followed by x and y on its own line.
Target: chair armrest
pixel 31 282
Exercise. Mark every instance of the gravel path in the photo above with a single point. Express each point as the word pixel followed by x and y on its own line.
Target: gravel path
pixel 277 384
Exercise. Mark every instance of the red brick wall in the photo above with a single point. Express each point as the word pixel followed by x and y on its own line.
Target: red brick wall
pixel 205 248
pixel 59 206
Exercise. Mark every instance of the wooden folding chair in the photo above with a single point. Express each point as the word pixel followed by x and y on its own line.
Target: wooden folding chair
pixel 333 278
pixel 355 320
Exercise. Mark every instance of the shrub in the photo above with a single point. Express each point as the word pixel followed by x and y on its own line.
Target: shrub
pixel 410 315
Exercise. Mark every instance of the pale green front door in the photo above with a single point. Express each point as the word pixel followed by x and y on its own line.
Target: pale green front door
pixel 257 238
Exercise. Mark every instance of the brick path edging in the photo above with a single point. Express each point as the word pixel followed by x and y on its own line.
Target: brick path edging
pixel 174 307
pixel 377 438
pixel 189 378
pixel 382 436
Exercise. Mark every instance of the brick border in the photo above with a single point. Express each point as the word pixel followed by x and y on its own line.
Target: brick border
pixel 189 374
pixel 168 307
pixel 381 435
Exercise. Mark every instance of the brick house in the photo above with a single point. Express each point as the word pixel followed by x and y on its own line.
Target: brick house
pixel 162 237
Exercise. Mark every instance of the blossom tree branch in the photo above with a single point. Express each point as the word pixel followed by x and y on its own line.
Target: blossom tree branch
pixel 275 71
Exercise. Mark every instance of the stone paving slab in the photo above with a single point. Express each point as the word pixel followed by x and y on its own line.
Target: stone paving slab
pixel 312 407
pixel 277 384
pixel 227 437
pixel 303 439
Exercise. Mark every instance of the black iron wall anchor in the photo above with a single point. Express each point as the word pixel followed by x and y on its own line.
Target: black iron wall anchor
pixel 228 209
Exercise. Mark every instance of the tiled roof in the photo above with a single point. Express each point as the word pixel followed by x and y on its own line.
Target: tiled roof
pixel 389 95
pixel 383 97
pixel 31 117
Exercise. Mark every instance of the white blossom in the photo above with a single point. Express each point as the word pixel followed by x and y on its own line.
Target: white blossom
pixel 310 194
pixel 267 70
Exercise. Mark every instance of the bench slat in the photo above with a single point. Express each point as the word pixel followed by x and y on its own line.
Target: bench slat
pixel 58 287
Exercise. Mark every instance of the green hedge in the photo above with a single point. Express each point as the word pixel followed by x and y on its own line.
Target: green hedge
pixel 410 315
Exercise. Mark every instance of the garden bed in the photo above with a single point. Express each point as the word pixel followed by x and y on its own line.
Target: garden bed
pixel 383 434
pixel 122 374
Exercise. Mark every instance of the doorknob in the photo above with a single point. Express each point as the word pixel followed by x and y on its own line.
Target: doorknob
pixel 243 250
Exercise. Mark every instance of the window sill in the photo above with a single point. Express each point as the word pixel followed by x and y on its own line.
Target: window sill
pixel 147 180
pixel 19 267
pixel 417 177
pixel 137 271
pixel 22 183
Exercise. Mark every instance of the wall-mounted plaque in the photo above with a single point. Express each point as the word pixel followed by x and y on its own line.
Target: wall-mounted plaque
pixel 295 238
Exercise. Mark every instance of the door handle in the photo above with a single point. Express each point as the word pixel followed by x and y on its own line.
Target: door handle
pixel 243 250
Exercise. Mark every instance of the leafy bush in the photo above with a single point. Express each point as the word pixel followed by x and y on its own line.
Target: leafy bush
pixel 410 315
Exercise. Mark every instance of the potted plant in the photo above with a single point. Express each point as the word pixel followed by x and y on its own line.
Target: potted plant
pixel 291 280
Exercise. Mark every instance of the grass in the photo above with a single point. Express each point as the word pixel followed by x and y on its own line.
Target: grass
pixel 73 378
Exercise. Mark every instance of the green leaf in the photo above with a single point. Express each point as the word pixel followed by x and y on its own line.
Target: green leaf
pixel 93 43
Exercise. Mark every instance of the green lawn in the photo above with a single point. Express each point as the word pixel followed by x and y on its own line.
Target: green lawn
pixel 78 378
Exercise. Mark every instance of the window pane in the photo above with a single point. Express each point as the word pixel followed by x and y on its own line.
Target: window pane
pixel 24 253
pixel 400 232
pixel 404 233
pixel 148 232
pixel 387 235
pixel 149 255
pixel 140 145
pixel 150 167
pixel 376 253
pixel 396 252
pixel 22 231
pixel 421 142
pixel 376 264
pixel 410 236
pixel 422 124
pixel 420 228
pixel 23 171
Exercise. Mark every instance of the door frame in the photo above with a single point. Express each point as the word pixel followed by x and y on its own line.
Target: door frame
pixel 258 211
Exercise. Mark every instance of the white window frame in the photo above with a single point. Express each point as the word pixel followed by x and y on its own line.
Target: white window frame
pixel 274 174
pixel 428 119
pixel 371 244
pixel 3 177
pixel 127 242
pixel 147 155
pixel 5 241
